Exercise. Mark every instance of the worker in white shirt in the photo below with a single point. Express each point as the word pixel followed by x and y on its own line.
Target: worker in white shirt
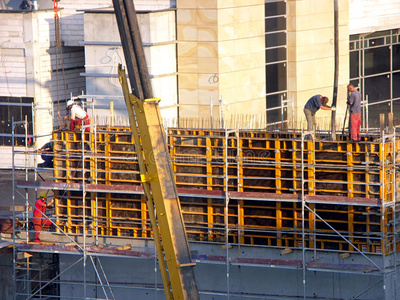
pixel 78 115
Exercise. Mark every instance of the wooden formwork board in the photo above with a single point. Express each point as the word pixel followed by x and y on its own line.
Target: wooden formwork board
pixel 250 222
pixel 245 162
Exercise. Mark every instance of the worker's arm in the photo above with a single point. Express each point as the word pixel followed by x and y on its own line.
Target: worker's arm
pixel 326 107
pixel 50 203
pixel 350 100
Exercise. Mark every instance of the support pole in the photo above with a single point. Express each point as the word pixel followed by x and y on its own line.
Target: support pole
pixel 336 74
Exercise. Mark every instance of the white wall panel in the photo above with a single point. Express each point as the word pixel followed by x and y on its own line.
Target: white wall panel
pixel 367 16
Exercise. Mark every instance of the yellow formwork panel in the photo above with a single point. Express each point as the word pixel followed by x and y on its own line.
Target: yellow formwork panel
pixel 244 162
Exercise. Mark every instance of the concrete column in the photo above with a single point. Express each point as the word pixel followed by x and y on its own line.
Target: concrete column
pixel 310 43
pixel 221 51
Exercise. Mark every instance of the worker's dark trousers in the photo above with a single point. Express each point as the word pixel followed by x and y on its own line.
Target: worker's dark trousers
pixel 48 161
pixel 310 119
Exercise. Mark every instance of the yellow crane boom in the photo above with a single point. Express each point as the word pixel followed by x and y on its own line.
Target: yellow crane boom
pixel 157 176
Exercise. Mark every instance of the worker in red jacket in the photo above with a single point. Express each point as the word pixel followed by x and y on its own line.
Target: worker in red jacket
pixel 39 220
pixel 78 115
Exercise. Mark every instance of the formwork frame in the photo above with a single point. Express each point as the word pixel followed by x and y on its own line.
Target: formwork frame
pixel 227 197
pixel 20 263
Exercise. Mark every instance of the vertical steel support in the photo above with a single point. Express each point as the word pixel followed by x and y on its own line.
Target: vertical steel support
pixel 13 202
pixel 226 181
pixel 336 71
pixel 83 211
pixel 240 182
pixel 303 203
pixel 350 170
pixel 278 167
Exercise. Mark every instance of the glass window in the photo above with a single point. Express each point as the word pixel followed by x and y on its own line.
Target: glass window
pixel 276 77
pixel 276 57
pixel 356 84
pixel 396 57
pixel 275 39
pixel 396 109
pixel 377 60
pixel 396 85
pixel 377 88
pixel 17 108
pixel 378 34
pixel 274 8
pixel 354 64
pixel 374 111
pixel 275 54
pixel 376 42
pixel 275 24
pixel 275 115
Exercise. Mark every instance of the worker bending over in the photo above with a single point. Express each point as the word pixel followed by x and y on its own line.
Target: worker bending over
pixel 39 220
pixel 47 155
pixel 354 102
pixel 312 106
pixel 78 116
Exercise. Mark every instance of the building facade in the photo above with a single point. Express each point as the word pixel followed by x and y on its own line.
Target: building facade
pixel 213 64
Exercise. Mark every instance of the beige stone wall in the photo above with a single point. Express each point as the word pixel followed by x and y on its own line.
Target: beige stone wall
pixel 221 52
pixel 311 56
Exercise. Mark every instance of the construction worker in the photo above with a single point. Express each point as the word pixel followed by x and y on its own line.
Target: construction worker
pixel 39 220
pixel 78 115
pixel 47 155
pixel 354 102
pixel 312 106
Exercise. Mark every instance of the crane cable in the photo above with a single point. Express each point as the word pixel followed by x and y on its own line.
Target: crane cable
pixel 58 46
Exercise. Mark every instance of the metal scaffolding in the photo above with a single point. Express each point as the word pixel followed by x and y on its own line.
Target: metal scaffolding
pixel 283 191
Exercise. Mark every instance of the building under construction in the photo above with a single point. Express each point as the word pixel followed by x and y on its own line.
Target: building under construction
pixel 258 207
pixel 270 211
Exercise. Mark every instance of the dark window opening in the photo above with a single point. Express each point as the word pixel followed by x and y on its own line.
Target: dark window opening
pixel 275 8
pixel 275 39
pixel 377 88
pixel 355 64
pixel 396 85
pixel 276 115
pixel 276 77
pixel 377 60
pixel 396 57
pixel 275 24
pixel 15 108
pixel 275 54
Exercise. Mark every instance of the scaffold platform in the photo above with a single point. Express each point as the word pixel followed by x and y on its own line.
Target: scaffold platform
pixel 274 189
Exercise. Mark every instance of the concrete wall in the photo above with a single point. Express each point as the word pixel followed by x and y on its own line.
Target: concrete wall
pixel 13 61
pixel 221 51
pixel 19 160
pixel 6 273
pixel 366 16
pixel 311 56
pixel 103 53
pixel 136 278
pixel 33 67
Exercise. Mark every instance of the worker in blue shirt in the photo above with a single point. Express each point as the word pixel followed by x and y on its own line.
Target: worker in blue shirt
pixel 47 155
pixel 312 106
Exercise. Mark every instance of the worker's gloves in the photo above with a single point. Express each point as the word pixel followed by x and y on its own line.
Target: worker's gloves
pixel 333 108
